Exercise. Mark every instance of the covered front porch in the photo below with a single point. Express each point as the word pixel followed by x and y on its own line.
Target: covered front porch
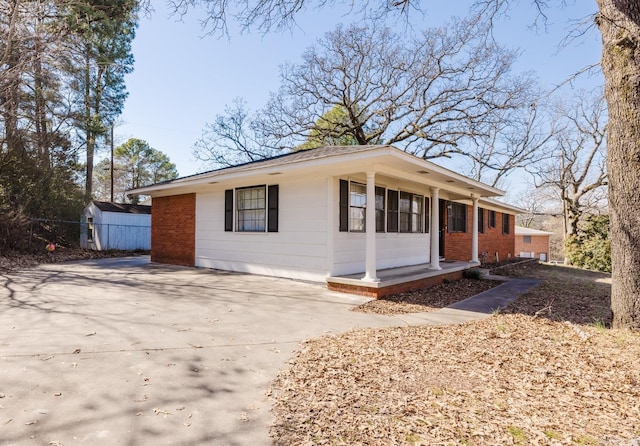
pixel 400 279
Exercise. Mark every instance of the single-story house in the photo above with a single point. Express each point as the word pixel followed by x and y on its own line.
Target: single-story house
pixel 108 225
pixel 532 243
pixel 305 215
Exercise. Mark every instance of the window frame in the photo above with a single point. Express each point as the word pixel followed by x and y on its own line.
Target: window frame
pixel 480 220
pixel 457 221
pixel 393 211
pixel 413 218
pixel 526 239
pixel 491 217
pixel 381 212
pixel 506 224
pixel 362 207
pixel 243 225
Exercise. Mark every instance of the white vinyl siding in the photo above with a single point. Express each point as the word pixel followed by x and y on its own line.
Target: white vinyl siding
pixel 298 250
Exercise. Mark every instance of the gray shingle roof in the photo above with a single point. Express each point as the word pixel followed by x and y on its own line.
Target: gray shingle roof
pixel 287 158
pixel 106 206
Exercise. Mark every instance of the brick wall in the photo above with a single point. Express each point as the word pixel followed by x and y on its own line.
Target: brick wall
pixel 457 245
pixel 173 230
pixel 419 284
pixel 539 243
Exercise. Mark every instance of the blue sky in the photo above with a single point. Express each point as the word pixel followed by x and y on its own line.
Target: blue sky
pixel 183 80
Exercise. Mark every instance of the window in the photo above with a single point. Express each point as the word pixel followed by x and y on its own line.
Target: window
pixel 480 220
pixel 411 216
pixel 417 202
pixel 357 207
pixel 392 210
pixel 457 217
pixel 256 209
pixel 505 224
pixel 251 205
pixel 492 219
pixel 380 202
pixel 526 239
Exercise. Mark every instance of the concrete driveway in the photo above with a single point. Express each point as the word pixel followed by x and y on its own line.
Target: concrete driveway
pixel 120 351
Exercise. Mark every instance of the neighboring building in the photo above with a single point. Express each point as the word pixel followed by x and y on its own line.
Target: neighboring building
pixel 116 226
pixel 304 215
pixel 532 243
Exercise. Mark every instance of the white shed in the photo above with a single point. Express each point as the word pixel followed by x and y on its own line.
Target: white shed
pixel 116 226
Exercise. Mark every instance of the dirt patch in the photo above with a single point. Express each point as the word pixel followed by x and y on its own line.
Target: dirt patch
pixel 428 299
pixel 546 372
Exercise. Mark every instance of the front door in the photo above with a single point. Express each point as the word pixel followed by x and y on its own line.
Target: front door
pixel 442 226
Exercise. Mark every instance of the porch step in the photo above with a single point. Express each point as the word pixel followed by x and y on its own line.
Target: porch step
pixel 398 280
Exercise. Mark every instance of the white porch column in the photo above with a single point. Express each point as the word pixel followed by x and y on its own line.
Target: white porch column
pixel 474 231
pixel 435 228
pixel 370 220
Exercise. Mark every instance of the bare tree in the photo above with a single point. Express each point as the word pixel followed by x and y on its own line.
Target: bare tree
pixel 274 15
pixel 577 172
pixel 520 139
pixel 538 204
pixel 232 138
pixel 430 95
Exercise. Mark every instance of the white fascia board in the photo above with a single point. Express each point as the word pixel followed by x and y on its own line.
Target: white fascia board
pixel 478 187
pixel 488 203
pixel 345 162
pixel 233 174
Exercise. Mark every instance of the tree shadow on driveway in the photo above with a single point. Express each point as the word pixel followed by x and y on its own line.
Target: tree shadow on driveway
pixel 124 351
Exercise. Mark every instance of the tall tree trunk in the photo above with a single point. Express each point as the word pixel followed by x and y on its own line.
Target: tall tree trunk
pixel 619 23
pixel 40 111
pixel 10 85
pixel 89 125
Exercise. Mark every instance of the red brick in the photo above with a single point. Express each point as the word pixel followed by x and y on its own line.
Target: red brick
pixel 539 244
pixel 457 245
pixel 363 290
pixel 173 230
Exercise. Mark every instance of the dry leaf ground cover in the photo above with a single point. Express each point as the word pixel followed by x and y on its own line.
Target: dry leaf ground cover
pixel 430 299
pixel 546 372
pixel 12 261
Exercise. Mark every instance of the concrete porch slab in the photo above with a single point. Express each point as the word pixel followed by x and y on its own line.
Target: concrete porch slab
pixel 399 280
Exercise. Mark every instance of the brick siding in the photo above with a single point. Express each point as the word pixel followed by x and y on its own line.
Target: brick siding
pixel 539 244
pixel 457 245
pixel 419 284
pixel 173 230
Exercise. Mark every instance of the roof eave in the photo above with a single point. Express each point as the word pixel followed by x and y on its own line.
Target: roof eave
pixel 473 187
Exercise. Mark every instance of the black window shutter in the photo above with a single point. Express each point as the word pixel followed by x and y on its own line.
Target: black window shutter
pixel 228 210
pixel 427 209
pixel 272 197
pixel 344 206
pixel 392 213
